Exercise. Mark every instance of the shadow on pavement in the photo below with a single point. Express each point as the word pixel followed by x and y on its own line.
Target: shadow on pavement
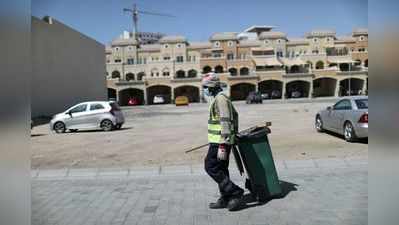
pixel 37 135
pixel 250 201
pixel 101 131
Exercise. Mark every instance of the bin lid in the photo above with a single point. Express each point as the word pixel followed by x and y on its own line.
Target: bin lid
pixel 253 133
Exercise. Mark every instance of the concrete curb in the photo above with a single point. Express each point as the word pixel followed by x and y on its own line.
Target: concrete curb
pixel 142 172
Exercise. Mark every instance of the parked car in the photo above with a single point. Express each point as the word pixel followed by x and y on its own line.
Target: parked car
pixel 254 97
pixel 276 94
pixel 89 115
pixel 133 101
pixel 348 117
pixel 265 96
pixel 158 99
pixel 296 94
pixel 181 100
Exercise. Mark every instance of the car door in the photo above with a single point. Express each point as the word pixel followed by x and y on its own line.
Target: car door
pixel 338 114
pixel 78 116
pixel 95 115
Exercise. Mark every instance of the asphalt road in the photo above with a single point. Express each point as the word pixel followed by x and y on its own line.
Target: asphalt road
pixel 159 135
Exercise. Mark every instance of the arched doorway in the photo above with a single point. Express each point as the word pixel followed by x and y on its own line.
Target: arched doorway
pixel 244 71
pixel 180 74
pixel 219 69
pixel 324 87
pixel 273 88
pixel 131 93
pixel 192 73
pixel 159 90
pixel 129 76
pixel 297 89
pixel 351 86
pixel 116 75
pixel 240 91
pixel 233 71
pixel 191 92
pixel 206 69
pixel 366 63
pixel 319 65
pixel 111 94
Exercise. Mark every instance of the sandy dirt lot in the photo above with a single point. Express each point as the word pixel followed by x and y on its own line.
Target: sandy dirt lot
pixel 154 135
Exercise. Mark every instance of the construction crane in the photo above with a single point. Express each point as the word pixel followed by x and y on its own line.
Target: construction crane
pixel 135 14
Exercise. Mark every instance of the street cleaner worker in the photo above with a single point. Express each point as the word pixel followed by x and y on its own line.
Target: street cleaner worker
pixel 222 128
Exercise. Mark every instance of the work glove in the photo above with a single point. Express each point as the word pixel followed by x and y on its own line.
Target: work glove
pixel 222 152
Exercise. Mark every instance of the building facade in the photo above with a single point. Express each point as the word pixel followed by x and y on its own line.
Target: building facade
pixel 320 64
pixel 60 76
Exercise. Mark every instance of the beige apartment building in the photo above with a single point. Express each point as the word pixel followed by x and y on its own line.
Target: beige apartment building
pixel 321 64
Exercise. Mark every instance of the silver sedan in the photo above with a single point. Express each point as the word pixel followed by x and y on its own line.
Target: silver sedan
pixel 348 117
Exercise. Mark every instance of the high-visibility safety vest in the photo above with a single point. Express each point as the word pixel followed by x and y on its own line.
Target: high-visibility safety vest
pixel 214 126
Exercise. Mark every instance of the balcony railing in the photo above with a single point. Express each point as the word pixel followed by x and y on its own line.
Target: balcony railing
pixel 129 82
pixel 205 57
pixel 186 79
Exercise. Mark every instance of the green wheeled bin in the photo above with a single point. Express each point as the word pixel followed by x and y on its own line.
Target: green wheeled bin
pixel 255 155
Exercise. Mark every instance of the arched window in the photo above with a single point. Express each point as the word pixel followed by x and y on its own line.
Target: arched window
pixel 180 74
pixel 344 66
pixel 116 74
pixel 219 69
pixel 129 76
pixel 294 69
pixel 244 71
pixel 140 76
pixel 206 69
pixel 319 65
pixel 165 72
pixel 192 73
pixel 154 72
pixel 233 71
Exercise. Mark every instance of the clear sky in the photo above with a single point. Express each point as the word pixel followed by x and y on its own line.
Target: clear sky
pixel 104 20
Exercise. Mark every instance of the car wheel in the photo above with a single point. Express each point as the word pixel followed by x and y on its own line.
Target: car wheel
pixel 106 125
pixel 59 127
pixel 319 124
pixel 349 132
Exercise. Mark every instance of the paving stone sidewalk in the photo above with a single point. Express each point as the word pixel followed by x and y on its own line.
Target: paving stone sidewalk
pixel 318 192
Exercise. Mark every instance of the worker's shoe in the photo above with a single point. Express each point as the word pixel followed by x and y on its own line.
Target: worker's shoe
pixel 221 203
pixel 235 203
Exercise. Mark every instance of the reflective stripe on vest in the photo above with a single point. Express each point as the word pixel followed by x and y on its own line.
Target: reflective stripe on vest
pixel 214 126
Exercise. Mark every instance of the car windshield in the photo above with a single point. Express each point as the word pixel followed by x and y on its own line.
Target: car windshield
pixel 362 103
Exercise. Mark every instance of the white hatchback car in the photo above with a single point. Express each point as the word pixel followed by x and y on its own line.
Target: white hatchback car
pixel 89 115
pixel 158 99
